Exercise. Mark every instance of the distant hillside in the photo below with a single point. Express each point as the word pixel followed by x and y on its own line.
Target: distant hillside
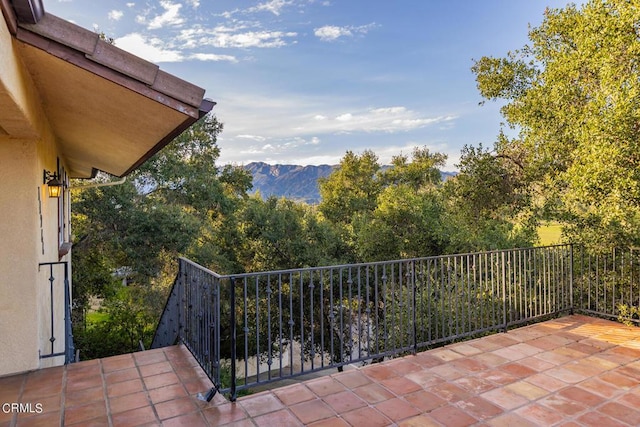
pixel 293 181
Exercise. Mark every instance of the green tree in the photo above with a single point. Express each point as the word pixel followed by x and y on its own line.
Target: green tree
pixel 573 95
pixel 178 203
pixel 352 188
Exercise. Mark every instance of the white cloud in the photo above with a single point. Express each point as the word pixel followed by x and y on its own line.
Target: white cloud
pixel 273 6
pixel 213 57
pixel 253 137
pixel 130 5
pixel 229 37
pixel 332 32
pixel 149 49
pixel 194 3
pixel 116 15
pixel 170 17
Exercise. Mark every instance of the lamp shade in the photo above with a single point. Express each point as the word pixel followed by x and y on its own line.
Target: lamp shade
pixel 55 187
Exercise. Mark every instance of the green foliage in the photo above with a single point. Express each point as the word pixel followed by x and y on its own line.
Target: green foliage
pixel 573 94
pixel 351 189
pixel 127 321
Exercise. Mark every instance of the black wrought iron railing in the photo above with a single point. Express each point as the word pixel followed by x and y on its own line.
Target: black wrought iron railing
pixel 256 328
pixel 60 341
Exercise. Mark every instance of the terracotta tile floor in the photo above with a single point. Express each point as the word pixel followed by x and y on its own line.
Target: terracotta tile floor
pixel 572 371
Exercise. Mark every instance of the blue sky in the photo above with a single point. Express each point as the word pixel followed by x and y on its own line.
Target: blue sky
pixel 302 81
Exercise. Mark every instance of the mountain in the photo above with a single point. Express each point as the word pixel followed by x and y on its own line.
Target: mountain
pixel 291 181
pixel 294 181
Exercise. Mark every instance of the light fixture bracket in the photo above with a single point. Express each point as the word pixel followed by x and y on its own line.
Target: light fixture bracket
pixel 52 179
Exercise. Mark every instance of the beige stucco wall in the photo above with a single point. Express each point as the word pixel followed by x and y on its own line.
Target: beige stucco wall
pixel 29 225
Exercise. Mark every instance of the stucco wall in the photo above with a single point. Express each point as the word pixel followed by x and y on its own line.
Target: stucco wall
pixel 18 256
pixel 29 225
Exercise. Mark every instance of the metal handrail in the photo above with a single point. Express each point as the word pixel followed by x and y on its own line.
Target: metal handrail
pixel 256 328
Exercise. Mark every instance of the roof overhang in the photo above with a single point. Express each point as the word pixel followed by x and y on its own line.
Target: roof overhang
pixel 109 110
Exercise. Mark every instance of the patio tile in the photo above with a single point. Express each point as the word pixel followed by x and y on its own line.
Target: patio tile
pixel 425 401
pixel 582 396
pixel 125 387
pixel 526 390
pixel 121 375
pixel 539 414
pixel 474 385
pixel 465 349
pixel 161 380
pixel 621 412
pixel 426 360
pixel 511 420
pixel 128 402
pixel 282 418
pixel 312 410
pixel 403 366
pixel 260 404
pixel 504 398
pixel 451 416
pixel 491 360
pixel 420 421
pixel 325 386
pixel 450 392
pixel 479 408
pixel 352 379
pixel 116 363
pixel 148 357
pixel 223 414
pixel 76 414
pixel 373 393
pixel 173 408
pixel 294 394
pixel 344 401
pixel 597 419
pixel 134 417
pixel 518 370
pixel 401 385
pixel 562 405
pixel 82 397
pixel 366 416
pixel 155 369
pixel 546 382
pixel 397 409
pixel 162 394
pixel 619 381
pixel 446 355
pixel 42 420
pixel 425 378
pixel 581 379
pixel 379 372
pixel 447 372
pixel 191 420
pixel 330 422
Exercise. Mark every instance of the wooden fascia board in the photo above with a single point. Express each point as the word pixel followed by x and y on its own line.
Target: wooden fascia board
pixel 9 16
pixel 80 60
pixel 206 106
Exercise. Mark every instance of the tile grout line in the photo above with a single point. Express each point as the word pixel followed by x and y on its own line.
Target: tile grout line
pixel 144 386
pixel 105 393
pixel 63 395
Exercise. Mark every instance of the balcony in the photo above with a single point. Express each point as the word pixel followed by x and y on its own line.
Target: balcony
pixel 514 337
pixel 573 370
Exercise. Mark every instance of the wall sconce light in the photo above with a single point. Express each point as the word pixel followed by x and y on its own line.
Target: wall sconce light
pixel 53 183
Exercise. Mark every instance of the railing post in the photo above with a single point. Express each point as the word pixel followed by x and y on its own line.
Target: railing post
pixel 504 293
pixel 232 319
pixel 571 278
pixel 415 307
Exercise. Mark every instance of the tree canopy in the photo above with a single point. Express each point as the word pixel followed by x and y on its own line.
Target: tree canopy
pixel 571 97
